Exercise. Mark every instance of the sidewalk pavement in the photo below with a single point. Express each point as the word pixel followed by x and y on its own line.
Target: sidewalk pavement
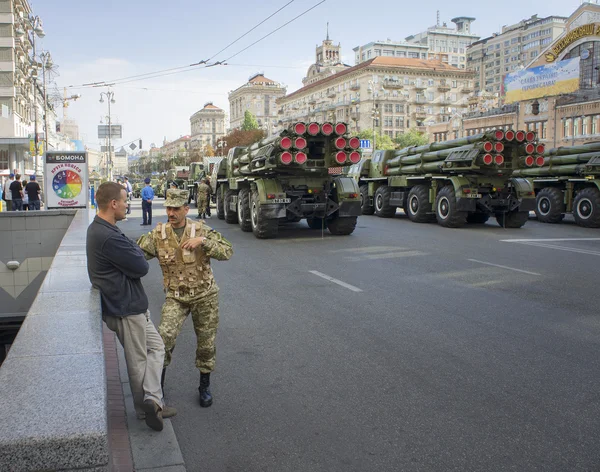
pixel 134 446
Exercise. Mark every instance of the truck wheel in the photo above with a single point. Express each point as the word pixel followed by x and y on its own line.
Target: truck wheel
pixel 220 206
pixel 445 209
pixel 261 227
pixel 366 208
pixel 418 207
pixel 342 226
pixel 512 219
pixel 586 208
pixel 230 216
pixel 549 205
pixel 316 223
pixel 382 205
pixel 243 210
pixel 477 218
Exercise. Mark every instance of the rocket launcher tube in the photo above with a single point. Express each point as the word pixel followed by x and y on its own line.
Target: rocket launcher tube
pixel 423 168
pixel 570 158
pixel 566 150
pixel 573 169
pixel 428 156
pixel 441 145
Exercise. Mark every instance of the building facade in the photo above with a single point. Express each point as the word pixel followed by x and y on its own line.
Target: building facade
pixel 328 61
pixel 560 120
pixel 178 148
pixel 446 44
pixel 259 96
pixel 514 48
pixel 389 94
pixel 207 126
pixel 389 48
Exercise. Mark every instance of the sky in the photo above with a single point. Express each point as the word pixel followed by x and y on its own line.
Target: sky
pixel 102 41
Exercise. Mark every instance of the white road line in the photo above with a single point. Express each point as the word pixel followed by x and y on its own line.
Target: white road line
pixel 546 240
pixel 367 249
pixel 504 267
pixel 386 255
pixel 336 281
pixel 563 248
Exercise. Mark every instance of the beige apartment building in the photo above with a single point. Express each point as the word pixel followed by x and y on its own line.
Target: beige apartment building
pixel 259 95
pixel 207 125
pixel 514 48
pixel 389 48
pixel 328 61
pixel 563 120
pixel 447 44
pixel 390 94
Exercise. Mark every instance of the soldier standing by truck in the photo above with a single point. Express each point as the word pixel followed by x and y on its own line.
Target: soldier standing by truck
pixel 203 199
pixel 184 249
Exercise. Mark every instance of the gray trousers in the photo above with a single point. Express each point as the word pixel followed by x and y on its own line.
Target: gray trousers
pixel 144 354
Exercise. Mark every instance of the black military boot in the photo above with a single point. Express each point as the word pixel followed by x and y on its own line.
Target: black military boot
pixel 204 389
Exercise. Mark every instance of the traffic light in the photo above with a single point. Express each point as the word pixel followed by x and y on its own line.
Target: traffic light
pixel 140 144
pixel 535 108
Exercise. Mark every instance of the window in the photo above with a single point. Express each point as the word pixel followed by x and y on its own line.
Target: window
pixel 566 128
pixel 387 108
pixel 594 124
pixel 399 108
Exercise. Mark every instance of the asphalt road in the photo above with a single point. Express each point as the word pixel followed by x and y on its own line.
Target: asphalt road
pixel 431 350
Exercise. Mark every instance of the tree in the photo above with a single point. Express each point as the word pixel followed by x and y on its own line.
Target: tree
pixel 381 141
pixel 250 122
pixel 209 150
pixel 411 138
pixel 238 137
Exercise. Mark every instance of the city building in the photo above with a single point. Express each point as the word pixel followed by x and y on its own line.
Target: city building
pixel 177 148
pixel 207 126
pixel 391 94
pixel 120 162
pixel 560 120
pixel 516 46
pixel 389 48
pixel 259 95
pixel 69 128
pixel 328 61
pixel 447 44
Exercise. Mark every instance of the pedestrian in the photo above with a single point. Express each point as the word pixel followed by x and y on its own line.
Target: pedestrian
pixel 115 267
pixel 184 249
pixel 202 198
pixel 129 189
pixel 17 193
pixel 147 197
pixel 33 190
pixel 7 194
pixel 209 196
pixel 25 196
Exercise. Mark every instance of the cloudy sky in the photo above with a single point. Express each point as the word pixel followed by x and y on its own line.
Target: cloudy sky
pixel 94 41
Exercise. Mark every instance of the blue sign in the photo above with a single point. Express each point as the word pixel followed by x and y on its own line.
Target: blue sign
pixel 365 143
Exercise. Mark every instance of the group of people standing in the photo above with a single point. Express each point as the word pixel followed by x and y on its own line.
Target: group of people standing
pixel 116 266
pixel 21 196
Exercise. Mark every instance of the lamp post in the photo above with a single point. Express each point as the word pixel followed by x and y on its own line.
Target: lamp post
pixel 375 113
pixel 220 146
pixel 110 98
pixel 46 60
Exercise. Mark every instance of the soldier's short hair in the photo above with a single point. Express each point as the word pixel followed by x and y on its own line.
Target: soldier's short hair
pixel 108 192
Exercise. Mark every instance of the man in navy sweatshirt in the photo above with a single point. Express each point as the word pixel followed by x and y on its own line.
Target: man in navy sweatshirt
pixel 115 267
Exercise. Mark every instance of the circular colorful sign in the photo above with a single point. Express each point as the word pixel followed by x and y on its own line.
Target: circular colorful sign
pixel 67 184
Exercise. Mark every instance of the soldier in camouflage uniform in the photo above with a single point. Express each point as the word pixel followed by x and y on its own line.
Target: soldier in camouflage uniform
pixel 184 249
pixel 203 199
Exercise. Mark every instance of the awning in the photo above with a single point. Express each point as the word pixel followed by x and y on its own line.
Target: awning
pixel 23 141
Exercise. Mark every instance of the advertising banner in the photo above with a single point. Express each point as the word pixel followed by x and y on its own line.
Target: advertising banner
pixel 552 79
pixel 66 179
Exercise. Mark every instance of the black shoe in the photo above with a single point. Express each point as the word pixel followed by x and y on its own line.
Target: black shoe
pixel 162 380
pixel 205 396
pixel 143 224
pixel 153 415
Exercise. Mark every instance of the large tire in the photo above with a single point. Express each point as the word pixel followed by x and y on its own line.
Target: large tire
pixel 342 226
pixel 365 206
pixel 382 205
pixel 549 205
pixel 243 210
pixel 261 227
pixel 586 208
pixel 446 212
pixel 230 216
pixel 512 219
pixel 316 223
pixel 220 206
pixel 477 218
pixel 417 204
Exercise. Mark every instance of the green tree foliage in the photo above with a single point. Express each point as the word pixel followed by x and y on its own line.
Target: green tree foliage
pixel 381 141
pixel 250 122
pixel 411 138
pixel 238 137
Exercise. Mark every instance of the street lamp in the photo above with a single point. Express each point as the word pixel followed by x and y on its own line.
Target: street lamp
pixel 46 60
pixel 110 98
pixel 221 145
pixel 375 112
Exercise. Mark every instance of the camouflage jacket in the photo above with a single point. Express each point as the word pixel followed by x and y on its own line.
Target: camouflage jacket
pixel 187 275
pixel 204 189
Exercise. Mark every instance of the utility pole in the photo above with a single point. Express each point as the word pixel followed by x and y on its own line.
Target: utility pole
pixel 110 97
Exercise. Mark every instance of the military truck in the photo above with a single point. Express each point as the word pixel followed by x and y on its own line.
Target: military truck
pixel 290 177
pixel 157 186
pixel 568 182
pixel 179 176
pixel 455 182
pixel 197 172
pixel 137 189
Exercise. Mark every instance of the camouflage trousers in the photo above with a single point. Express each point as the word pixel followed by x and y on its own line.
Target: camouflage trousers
pixel 205 317
pixel 202 204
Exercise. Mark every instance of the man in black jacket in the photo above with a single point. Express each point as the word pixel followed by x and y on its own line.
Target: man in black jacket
pixel 115 267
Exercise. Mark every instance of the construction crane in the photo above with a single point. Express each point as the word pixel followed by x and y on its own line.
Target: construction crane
pixel 66 101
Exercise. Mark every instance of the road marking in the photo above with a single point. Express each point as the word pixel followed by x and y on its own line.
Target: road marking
pixel 563 248
pixel 335 281
pixel 504 267
pixel 369 249
pixel 547 240
pixel 386 255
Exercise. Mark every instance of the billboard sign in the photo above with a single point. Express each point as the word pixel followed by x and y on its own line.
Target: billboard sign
pixel 116 131
pixel 548 80
pixel 66 179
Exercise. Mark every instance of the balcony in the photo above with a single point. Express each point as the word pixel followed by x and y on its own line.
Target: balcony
pixel 421 129
pixel 473 99
pixel 331 94
pixel 420 114
pixel 312 101
pixel 466 90
pixel 420 86
pixel 444 101
pixel 393 84
pixel 418 100
pixel 354 86
pixel 443 88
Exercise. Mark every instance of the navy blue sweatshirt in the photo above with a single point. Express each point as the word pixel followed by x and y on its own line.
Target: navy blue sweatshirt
pixel 115 266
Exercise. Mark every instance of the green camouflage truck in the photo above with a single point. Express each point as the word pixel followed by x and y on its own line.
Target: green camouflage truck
pixel 455 182
pixel 179 176
pixel 290 177
pixel 568 182
pixel 197 172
